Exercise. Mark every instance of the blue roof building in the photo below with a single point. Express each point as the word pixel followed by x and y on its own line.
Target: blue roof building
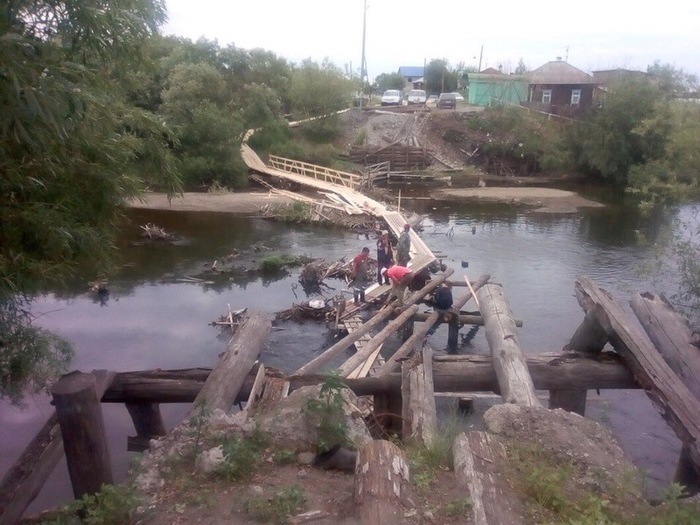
pixel 411 73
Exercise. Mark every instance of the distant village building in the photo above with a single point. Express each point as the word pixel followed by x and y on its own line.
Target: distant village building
pixel 413 76
pixel 560 88
pixel 491 87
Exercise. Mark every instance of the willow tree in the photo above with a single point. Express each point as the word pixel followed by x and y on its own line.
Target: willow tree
pixel 72 151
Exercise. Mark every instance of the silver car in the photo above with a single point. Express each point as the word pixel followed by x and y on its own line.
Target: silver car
pixel 417 96
pixel 391 97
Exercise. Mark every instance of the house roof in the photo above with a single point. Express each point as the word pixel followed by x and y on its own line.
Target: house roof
pixel 560 72
pixel 411 71
pixel 491 71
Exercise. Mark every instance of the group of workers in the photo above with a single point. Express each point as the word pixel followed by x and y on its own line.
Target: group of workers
pixel 393 271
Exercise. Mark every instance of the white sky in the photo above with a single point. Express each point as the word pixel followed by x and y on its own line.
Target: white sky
pixel 599 34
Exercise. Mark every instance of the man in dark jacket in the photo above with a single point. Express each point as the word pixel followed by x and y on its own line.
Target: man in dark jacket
pixel 385 256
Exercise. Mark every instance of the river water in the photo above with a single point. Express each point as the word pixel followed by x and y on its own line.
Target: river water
pixel 153 320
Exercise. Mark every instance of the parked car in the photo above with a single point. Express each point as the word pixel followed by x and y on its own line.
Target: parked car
pixel 458 96
pixel 391 97
pixel 417 96
pixel 432 100
pixel 447 100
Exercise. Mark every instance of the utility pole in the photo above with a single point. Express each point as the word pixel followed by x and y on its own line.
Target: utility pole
pixel 363 61
pixel 481 55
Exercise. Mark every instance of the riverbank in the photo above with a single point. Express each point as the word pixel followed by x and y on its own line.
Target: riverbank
pixel 545 200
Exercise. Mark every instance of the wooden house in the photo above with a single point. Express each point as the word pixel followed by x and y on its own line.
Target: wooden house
pixel 560 88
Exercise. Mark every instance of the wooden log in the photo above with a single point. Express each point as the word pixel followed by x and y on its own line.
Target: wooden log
pixel 477 457
pixel 227 378
pixel 338 348
pixel 469 373
pixel 359 358
pixel 420 332
pixel 255 392
pixel 419 414
pixel 508 361
pixel 381 479
pixel 82 429
pixel 461 318
pixel 24 480
pixel 453 334
pixel 677 405
pixel 672 337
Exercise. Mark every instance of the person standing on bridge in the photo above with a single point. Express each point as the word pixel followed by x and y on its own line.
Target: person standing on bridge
pixel 403 249
pixel 385 256
pixel 359 268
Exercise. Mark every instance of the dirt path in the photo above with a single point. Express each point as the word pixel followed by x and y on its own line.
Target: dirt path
pixel 240 203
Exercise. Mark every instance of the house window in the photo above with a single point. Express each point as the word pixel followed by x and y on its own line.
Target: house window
pixel 547 96
pixel 575 97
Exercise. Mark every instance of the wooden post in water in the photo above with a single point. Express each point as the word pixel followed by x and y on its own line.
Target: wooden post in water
pixel 82 427
pixel 148 423
pixel 419 414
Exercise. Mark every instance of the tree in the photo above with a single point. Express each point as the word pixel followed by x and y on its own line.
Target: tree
pixel 631 129
pixel 72 150
pixel 521 68
pixel 439 78
pixel 389 81
pixel 672 82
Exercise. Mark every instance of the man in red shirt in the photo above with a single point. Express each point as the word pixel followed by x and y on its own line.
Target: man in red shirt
pixel 359 267
pixel 399 276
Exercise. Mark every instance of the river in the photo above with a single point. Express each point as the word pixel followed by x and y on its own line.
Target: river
pixel 151 320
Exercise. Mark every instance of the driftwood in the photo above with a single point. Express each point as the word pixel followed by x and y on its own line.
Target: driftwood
pixel 677 405
pixel 155 233
pixel 225 381
pixel 381 476
pixel 508 360
pixel 477 456
pixel 419 414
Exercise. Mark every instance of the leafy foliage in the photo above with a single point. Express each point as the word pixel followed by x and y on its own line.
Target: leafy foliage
pixel 327 414
pixel 72 150
pixel 318 90
pixel 276 509
pixel 30 358
pixel 439 78
pixel 389 81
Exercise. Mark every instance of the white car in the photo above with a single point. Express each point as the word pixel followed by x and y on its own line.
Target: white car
pixel 458 96
pixel 417 96
pixel 391 97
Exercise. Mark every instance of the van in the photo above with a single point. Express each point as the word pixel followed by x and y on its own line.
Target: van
pixel 417 96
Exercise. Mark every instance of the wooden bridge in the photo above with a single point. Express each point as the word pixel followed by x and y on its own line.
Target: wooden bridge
pixel 663 362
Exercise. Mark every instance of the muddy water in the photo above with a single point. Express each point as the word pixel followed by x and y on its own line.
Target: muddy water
pixel 151 319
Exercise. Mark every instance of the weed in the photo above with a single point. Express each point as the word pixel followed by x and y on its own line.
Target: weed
pixel 197 422
pixel 327 414
pixel 112 505
pixel 276 509
pixel 284 457
pixel 458 507
pixel 361 138
pixel 242 456
pixel 276 263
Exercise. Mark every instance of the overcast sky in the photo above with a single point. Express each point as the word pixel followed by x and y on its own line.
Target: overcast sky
pixel 595 34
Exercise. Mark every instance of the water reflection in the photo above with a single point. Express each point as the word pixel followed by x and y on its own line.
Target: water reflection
pixel 150 319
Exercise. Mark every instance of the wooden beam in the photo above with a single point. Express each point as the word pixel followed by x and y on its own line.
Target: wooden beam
pixel 227 378
pixel 338 348
pixel 419 414
pixel 461 318
pixel 508 361
pixel 677 405
pixel 420 332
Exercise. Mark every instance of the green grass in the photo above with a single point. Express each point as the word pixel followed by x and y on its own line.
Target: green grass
pixel 284 503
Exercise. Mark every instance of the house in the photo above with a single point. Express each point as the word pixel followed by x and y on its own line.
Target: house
pixel 489 89
pixel 413 75
pixel 558 87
